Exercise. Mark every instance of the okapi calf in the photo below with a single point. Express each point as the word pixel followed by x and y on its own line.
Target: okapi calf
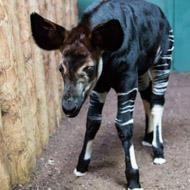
pixel 121 44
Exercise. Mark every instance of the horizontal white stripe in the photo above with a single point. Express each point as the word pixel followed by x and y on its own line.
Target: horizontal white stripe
pixel 127 102
pixel 131 106
pixel 167 57
pixel 160 89
pixel 158 73
pixel 171 49
pixel 126 93
pixel 161 65
pixel 129 110
pixel 97 117
pixel 171 40
pixel 123 124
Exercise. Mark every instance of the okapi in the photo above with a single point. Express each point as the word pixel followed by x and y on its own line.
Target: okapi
pixel 121 44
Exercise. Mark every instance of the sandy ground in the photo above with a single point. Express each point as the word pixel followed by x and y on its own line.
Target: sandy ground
pixel 106 171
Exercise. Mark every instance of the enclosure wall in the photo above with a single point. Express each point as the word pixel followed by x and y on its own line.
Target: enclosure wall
pixel 30 86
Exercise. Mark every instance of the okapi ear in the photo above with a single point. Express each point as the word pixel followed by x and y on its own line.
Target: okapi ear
pixel 47 35
pixel 108 36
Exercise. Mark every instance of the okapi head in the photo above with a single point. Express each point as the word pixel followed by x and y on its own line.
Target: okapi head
pixel 81 49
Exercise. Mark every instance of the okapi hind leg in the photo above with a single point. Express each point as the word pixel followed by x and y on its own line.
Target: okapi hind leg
pixel 160 76
pixel 94 117
pixel 153 105
pixel 145 89
pixel 157 143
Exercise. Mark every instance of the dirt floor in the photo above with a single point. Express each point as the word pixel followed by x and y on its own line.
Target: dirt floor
pixel 106 171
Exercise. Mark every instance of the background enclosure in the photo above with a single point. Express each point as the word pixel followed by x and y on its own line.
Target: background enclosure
pixel 178 14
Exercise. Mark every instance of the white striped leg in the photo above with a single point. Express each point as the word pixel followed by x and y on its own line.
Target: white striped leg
pixel 125 132
pixel 93 123
pixel 160 75
pixel 124 125
pixel 160 82
pixel 161 68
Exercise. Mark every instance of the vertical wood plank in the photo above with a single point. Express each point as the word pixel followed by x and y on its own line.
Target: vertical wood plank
pixel 59 16
pixel 24 24
pixel 30 95
pixel 54 68
pixel 67 14
pixel 39 83
pixel 22 84
pixel 14 130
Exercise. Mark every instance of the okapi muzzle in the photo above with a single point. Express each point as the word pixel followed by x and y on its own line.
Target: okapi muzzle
pixel 71 102
pixel 77 86
pixel 81 49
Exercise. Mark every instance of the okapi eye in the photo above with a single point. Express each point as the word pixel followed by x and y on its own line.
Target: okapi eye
pixel 90 70
pixel 61 68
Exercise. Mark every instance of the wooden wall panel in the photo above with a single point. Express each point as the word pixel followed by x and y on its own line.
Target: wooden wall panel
pixel 24 24
pixel 12 103
pixel 39 77
pixel 30 86
pixel 59 17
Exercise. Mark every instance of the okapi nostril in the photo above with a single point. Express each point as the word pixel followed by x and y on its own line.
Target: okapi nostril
pixel 68 99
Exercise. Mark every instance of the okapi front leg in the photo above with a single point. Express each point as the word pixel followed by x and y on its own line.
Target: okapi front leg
pixel 124 125
pixel 94 118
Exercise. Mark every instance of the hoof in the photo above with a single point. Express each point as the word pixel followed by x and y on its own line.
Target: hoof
pixel 136 189
pixel 145 143
pixel 79 174
pixel 159 161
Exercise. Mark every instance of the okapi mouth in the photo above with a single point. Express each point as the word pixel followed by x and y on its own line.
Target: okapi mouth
pixel 72 114
pixel 72 108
